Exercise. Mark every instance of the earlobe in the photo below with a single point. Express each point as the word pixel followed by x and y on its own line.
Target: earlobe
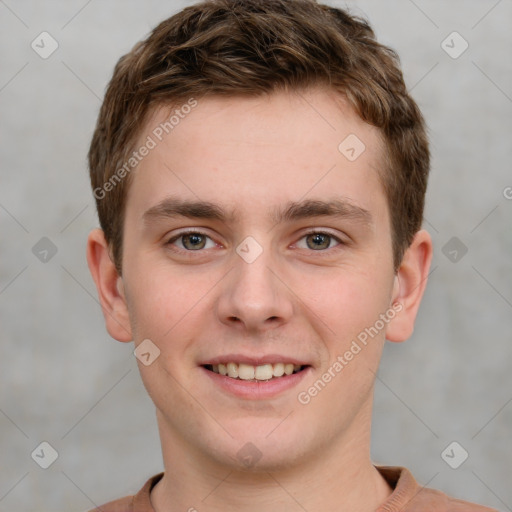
pixel 109 286
pixel 409 286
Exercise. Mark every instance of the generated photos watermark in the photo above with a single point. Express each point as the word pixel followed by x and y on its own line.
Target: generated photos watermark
pixel 357 345
pixel 151 142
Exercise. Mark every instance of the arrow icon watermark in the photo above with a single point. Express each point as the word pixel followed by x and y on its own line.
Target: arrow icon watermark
pixel 249 249
pixel 351 147
pixel 146 352
pixel 44 455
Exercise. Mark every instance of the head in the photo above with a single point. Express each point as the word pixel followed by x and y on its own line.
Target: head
pixel 253 48
pixel 250 123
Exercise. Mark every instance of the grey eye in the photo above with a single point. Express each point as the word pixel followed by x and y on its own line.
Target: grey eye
pixel 194 241
pixel 318 241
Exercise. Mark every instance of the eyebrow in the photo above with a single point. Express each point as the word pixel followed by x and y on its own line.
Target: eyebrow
pixel 294 210
pixel 341 208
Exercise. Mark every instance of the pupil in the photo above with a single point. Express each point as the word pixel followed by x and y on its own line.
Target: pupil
pixel 320 241
pixel 194 240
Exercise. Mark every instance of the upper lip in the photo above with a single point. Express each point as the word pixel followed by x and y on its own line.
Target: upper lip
pixel 254 360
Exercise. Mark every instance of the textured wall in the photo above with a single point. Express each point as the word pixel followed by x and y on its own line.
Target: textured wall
pixel 64 381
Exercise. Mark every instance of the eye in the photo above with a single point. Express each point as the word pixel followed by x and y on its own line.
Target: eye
pixel 318 240
pixel 192 241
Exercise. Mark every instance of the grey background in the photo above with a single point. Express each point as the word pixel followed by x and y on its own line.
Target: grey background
pixel 63 380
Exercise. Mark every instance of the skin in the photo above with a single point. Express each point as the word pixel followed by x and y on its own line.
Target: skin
pixel 252 157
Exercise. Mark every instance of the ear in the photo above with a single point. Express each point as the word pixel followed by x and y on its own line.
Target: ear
pixel 410 283
pixel 110 287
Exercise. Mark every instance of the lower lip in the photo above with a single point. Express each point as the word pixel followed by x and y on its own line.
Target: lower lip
pixel 257 390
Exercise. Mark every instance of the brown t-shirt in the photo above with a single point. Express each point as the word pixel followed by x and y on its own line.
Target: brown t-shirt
pixel 407 496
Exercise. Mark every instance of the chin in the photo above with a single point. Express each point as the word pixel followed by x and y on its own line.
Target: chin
pixel 252 459
pixel 261 449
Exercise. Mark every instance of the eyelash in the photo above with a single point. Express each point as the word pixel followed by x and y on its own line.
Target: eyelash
pixel 196 232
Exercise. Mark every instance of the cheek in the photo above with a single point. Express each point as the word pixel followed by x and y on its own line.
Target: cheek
pixel 156 303
pixel 349 302
pixel 354 336
pixel 170 310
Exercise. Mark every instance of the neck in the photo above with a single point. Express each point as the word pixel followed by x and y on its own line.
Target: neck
pixel 339 478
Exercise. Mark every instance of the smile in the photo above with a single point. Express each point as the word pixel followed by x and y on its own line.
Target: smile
pixel 249 372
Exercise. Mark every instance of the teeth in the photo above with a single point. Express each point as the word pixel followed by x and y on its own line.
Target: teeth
pixel 245 371
pixel 278 370
pixel 232 370
pixel 264 372
pixel 249 372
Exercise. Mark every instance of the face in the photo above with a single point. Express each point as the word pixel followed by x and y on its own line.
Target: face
pixel 256 245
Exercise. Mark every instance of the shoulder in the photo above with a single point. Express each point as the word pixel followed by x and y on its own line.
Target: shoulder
pixel 431 499
pixel 121 505
pixel 409 496
pixel 140 502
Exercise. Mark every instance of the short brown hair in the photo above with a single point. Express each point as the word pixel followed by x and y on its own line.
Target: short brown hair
pixel 255 47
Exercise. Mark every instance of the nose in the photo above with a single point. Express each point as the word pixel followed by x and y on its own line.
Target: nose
pixel 254 297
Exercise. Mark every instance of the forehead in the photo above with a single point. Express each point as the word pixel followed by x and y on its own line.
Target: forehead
pixel 258 152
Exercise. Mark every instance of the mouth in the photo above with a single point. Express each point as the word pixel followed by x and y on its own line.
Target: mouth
pixel 250 377
pixel 255 373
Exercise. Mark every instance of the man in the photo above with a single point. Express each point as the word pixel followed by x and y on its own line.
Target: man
pixel 260 172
